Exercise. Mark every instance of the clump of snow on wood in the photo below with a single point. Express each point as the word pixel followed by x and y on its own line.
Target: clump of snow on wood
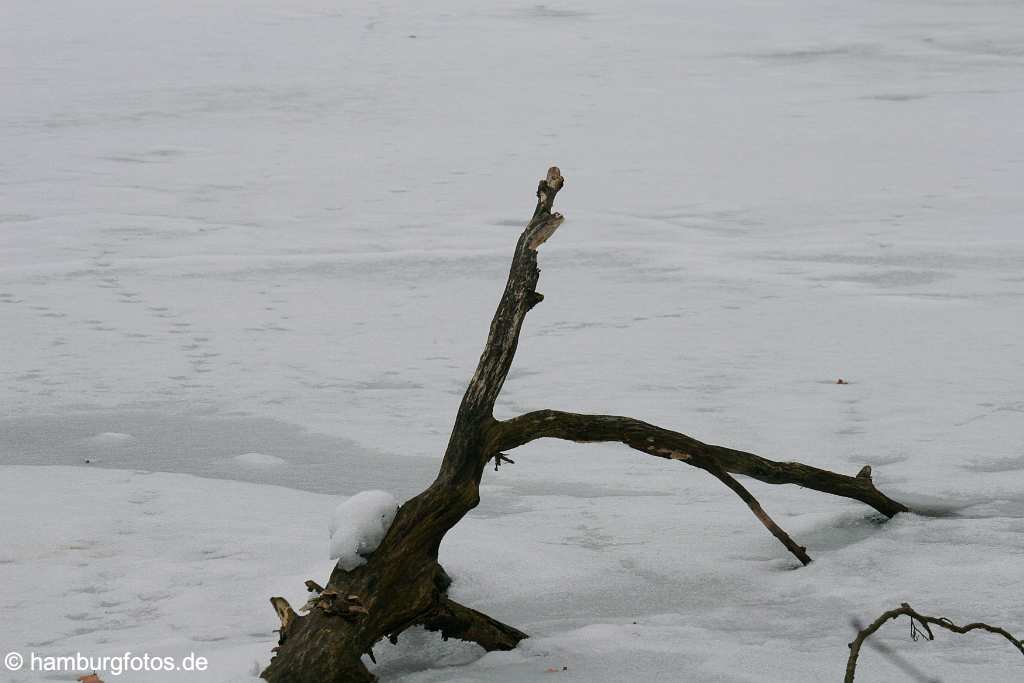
pixel 358 525
pixel 259 460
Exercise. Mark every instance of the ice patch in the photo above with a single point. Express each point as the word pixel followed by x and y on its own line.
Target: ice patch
pixel 259 460
pixel 358 525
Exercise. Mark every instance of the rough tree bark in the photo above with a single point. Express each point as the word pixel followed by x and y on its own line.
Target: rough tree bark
pixel 402 585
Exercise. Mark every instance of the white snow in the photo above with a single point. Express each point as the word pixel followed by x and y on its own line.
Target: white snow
pixel 358 525
pixel 259 460
pixel 628 587
pixel 102 561
pixel 260 227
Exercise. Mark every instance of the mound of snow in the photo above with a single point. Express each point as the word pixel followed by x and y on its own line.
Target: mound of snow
pixel 358 526
pixel 111 439
pixel 259 460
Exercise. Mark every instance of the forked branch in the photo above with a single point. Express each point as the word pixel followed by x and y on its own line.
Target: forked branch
pixel 665 443
pixel 717 460
pixel 466 455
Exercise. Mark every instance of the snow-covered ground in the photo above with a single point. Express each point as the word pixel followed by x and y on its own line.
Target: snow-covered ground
pixel 261 241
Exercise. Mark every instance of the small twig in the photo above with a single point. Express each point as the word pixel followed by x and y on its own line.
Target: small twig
pixel 500 458
pixel 925 630
pixel 898 660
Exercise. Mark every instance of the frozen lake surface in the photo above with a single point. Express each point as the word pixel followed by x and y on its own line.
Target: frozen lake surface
pixel 262 242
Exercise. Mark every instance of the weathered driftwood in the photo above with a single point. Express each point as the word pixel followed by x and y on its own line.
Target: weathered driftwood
pixel 401 585
pixel 919 624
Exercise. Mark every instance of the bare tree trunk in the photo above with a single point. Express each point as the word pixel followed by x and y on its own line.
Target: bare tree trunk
pixel 401 585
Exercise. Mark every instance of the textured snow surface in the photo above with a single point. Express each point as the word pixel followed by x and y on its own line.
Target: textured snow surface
pixel 281 228
pixel 358 525
pixel 259 460
pixel 617 586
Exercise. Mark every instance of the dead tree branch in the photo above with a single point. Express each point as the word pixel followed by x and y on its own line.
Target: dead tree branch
pixel 402 585
pixel 664 443
pixel 924 629
pixel 717 460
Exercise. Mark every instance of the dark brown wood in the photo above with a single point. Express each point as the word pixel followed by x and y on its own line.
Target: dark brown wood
pixel 664 443
pixel 401 585
pixel 925 630
pixel 458 621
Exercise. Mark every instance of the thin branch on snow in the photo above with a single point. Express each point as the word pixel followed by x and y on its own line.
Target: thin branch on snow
pixel 924 630
pixel 798 550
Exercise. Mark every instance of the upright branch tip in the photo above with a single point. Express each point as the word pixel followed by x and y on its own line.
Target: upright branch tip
pixel 554 178
pixel 547 188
